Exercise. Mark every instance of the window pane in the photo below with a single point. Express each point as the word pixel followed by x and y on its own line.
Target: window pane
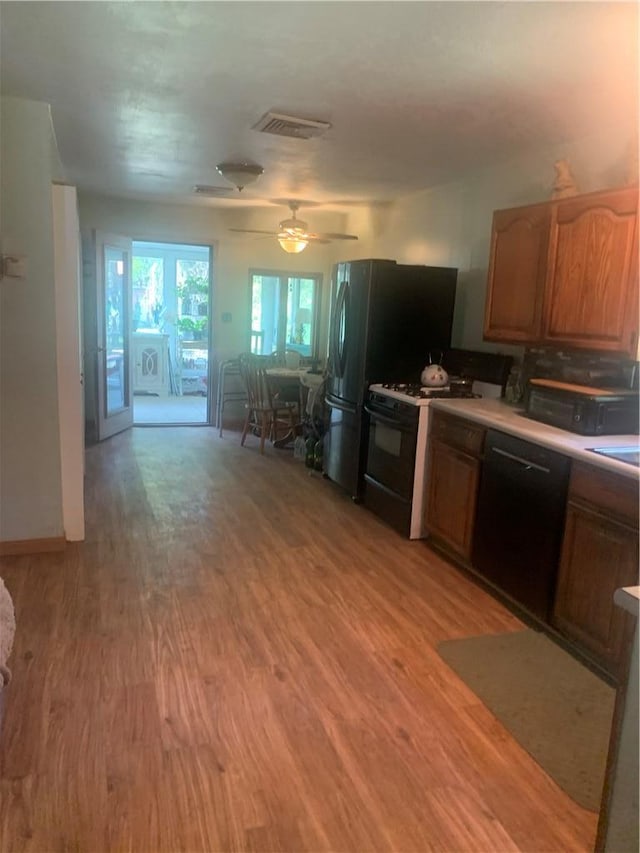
pixel 265 292
pixel 301 315
pixel 114 331
pixel 192 290
pixel 148 292
pixel 283 313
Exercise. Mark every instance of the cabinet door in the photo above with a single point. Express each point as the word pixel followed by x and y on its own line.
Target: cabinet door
pixel 591 290
pixel 516 276
pixel 150 366
pixel 599 555
pixel 453 490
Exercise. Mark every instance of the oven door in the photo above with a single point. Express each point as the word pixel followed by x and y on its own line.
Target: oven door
pixel 388 480
pixel 391 454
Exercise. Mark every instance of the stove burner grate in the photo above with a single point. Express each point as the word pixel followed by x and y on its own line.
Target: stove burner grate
pixel 414 390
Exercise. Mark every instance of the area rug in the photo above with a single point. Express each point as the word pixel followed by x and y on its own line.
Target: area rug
pixel 555 707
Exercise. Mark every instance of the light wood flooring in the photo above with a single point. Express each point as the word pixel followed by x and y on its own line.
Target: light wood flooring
pixel 239 658
pixel 186 409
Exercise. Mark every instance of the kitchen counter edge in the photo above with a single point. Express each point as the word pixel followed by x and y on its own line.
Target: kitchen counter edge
pixel 502 416
pixel 628 597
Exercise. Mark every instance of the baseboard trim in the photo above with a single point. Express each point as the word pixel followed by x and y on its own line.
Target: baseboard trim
pixel 17 547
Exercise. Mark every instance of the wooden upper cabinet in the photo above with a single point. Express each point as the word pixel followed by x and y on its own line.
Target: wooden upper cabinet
pixel 591 289
pixel 566 273
pixel 517 270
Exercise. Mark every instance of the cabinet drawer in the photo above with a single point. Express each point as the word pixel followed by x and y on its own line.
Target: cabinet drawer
pixel 607 492
pixel 458 432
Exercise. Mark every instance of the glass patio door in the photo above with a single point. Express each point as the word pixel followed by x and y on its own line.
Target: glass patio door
pixel 114 385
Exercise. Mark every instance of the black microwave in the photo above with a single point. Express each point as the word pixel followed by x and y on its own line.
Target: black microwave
pixel 583 410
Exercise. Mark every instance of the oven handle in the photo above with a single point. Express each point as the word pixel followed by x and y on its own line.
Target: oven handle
pixel 392 422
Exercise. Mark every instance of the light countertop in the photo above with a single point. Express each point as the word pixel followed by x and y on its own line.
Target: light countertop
pixel 497 414
pixel 628 597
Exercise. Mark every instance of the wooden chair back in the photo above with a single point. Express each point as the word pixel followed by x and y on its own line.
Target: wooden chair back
pixel 265 413
pixel 253 370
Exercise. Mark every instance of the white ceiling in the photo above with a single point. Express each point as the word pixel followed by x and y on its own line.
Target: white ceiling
pixel 147 97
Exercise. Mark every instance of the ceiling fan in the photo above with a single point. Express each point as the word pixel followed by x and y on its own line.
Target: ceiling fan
pixel 292 233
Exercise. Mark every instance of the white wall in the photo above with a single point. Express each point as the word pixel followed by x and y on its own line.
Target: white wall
pixel 66 236
pixel 234 254
pixel 30 473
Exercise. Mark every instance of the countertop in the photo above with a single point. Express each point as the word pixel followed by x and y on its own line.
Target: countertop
pixel 508 418
pixel 628 597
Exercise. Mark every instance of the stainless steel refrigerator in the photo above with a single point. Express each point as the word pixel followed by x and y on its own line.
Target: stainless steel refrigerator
pixel 386 318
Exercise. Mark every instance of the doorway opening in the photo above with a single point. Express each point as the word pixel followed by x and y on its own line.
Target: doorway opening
pixel 171 340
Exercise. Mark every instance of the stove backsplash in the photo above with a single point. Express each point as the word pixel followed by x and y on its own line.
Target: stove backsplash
pixel 581 368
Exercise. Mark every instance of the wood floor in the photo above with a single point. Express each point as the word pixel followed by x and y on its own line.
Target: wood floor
pixel 239 658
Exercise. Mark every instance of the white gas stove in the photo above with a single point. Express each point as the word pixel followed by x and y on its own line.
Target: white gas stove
pixel 396 469
pixel 420 395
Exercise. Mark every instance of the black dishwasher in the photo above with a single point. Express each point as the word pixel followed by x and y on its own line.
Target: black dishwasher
pixel 520 518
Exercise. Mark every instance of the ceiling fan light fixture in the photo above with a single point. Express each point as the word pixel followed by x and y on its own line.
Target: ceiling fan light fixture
pixel 292 244
pixel 239 174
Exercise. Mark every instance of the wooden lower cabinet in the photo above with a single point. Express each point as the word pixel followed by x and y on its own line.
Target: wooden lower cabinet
pixel 599 555
pixel 454 477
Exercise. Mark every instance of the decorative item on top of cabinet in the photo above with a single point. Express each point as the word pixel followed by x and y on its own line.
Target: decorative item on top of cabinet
pixel 565 185
pixel 455 448
pixel 565 273
pixel 599 555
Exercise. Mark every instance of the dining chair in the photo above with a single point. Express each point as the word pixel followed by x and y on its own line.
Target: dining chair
pixel 265 414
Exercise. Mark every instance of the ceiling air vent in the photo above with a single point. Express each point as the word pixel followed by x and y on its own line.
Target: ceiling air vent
pixel 292 126
pixel 205 189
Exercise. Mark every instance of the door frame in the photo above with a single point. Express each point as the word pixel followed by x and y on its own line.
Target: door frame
pixel 68 291
pixel 212 250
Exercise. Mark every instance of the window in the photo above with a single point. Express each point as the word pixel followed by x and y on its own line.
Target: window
pixel 284 313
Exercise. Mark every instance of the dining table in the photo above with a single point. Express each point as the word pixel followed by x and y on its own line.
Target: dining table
pixel 300 385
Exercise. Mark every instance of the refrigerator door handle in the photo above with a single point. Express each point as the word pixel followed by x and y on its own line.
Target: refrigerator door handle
pixel 341 405
pixel 340 332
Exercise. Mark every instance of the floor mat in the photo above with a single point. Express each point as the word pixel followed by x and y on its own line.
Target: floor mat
pixel 555 707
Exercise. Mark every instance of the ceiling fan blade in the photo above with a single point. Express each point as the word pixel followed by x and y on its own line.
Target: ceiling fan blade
pixel 330 236
pixel 316 238
pixel 253 231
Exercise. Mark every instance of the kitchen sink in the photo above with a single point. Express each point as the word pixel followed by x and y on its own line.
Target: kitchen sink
pixel 631 455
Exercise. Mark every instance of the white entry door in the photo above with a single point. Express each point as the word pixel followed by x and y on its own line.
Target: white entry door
pixel 114 313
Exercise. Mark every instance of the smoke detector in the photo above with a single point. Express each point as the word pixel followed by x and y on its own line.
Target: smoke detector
pixel 292 126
